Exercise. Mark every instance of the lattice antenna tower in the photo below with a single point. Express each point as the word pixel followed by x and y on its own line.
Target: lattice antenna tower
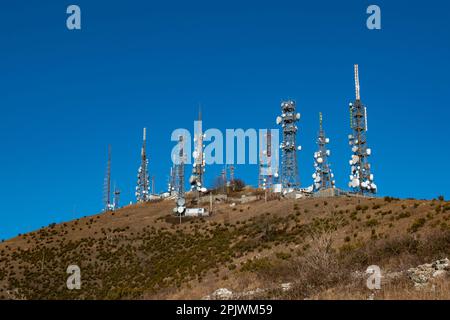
pixel 179 179
pixel 107 184
pixel 289 169
pixel 232 182
pixel 172 180
pixel 361 178
pixel 143 182
pixel 224 180
pixel 265 180
pixel 323 176
pixel 198 170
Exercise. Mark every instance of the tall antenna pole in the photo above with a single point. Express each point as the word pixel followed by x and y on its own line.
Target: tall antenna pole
pixel 143 183
pixel 323 177
pixel 357 83
pixel 107 183
pixel 361 178
pixel 179 183
pixel 289 167
pixel 197 176
pixel 116 198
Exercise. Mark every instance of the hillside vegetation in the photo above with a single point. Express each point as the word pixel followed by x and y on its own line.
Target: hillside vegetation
pixel 316 245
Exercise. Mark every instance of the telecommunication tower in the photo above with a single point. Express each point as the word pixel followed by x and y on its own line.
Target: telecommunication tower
pixel 179 179
pixel 143 183
pixel 108 206
pixel 266 173
pixel 224 180
pixel 289 169
pixel 361 178
pixel 116 198
pixel 323 176
pixel 198 170
pixel 232 182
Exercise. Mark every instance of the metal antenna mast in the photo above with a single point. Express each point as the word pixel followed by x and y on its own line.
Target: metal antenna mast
pixel 323 177
pixel 289 168
pixel 116 198
pixel 179 179
pixel 265 160
pixel 143 183
pixel 361 178
pixel 232 182
pixel 107 183
pixel 196 179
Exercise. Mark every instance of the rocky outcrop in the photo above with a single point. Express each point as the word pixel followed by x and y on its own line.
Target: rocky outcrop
pixel 422 274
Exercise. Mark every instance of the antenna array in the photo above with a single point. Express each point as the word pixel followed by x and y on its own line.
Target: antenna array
pixel 323 176
pixel 289 168
pixel 143 183
pixel 361 178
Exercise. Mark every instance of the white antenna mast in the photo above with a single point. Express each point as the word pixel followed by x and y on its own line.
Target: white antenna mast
pixel 365 118
pixel 357 82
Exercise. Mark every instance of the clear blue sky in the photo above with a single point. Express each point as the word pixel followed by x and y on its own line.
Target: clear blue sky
pixel 65 95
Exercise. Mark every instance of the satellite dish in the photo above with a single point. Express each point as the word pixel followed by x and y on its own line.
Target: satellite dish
pixel 276 174
pixel 203 189
pixel 328 152
pixel 180 209
pixel 181 202
pixel 354 149
pixel 327 140
pixel 297 116
pixel 279 120
pixel 368 151
pixel 314 175
pixel 299 148
pixel 175 210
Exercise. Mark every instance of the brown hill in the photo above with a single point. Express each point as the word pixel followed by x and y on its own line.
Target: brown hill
pixel 317 245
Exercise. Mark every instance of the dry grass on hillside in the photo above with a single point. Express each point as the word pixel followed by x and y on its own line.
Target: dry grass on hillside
pixel 139 252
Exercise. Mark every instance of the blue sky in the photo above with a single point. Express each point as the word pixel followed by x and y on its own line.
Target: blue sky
pixel 66 95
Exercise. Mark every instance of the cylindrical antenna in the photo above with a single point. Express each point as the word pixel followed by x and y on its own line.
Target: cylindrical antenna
pixel 365 118
pixel 145 134
pixel 320 121
pixel 351 117
pixel 357 82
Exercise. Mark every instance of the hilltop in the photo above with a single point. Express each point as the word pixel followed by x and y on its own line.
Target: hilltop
pixel 284 249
